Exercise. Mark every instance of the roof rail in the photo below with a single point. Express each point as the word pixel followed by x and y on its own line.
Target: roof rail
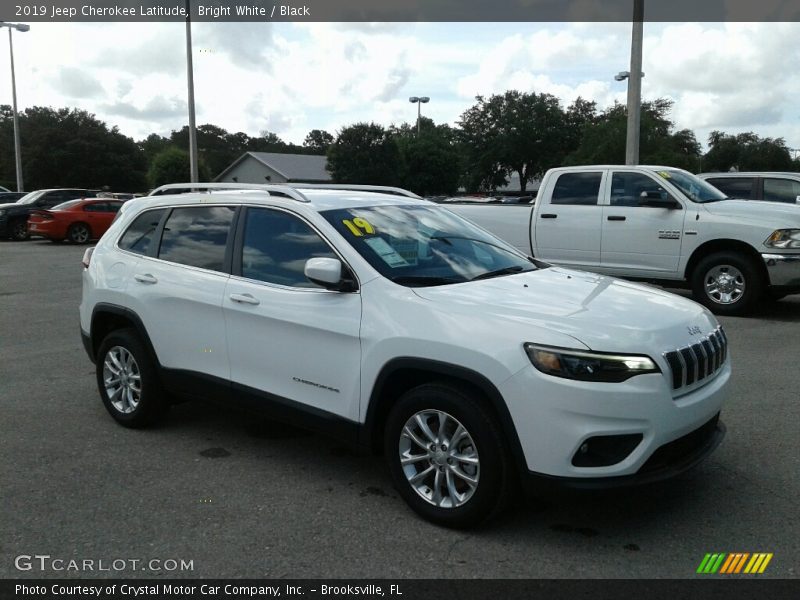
pixel 383 189
pixel 207 187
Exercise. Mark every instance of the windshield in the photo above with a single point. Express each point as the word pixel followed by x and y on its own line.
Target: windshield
pixel 31 197
pixel 424 246
pixel 693 187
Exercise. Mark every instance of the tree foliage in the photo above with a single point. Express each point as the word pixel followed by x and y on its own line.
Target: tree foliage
pixel 429 161
pixel 70 148
pixel 364 153
pixel 747 152
pixel 318 140
pixel 171 165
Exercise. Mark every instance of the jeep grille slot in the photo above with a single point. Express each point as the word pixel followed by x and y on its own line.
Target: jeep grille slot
pixel 696 362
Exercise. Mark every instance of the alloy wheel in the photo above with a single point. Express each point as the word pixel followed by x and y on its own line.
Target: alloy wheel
pixel 122 379
pixel 725 284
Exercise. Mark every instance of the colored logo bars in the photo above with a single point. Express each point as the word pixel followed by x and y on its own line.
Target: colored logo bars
pixel 734 563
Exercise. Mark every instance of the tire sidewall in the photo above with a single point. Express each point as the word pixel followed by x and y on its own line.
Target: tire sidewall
pixel 752 277
pixel 14 231
pixel 483 429
pixel 74 228
pixel 151 403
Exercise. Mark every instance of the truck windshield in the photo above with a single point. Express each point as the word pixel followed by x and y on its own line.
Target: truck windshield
pixel 420 246
pixel 693 187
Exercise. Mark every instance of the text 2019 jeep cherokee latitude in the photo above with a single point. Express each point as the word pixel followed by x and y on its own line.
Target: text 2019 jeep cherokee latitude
pixel 392 323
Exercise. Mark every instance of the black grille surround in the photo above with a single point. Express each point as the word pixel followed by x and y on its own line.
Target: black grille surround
pixel 691 364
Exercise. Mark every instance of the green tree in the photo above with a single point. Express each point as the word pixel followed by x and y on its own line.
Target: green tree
pixel 318 141
pixel 70 148
pixel 171 165
pixel 747 152
pixel 429 163
pixel 604 139
pixel 514 132
pixel 364 153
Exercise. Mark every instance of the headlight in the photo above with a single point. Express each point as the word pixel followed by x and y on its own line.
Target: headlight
pixel 589 366
pixel 784 238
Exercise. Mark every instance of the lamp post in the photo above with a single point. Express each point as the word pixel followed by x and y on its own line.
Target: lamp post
pixel 419 101
pixel 17 152
pixel 193 172
pixel 635 86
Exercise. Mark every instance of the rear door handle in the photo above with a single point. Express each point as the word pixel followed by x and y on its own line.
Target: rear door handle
pixel 549 216
pixel 245 299
pixel 145 278
pixel 616 218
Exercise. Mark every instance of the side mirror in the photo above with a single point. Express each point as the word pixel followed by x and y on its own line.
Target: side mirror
pixel 327 272
pixel 658 200
pixel 797 200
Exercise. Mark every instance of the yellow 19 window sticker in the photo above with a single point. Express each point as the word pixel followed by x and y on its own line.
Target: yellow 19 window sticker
pixel 358 226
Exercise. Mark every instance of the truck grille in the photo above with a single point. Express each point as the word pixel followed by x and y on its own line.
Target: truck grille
pixel 702 359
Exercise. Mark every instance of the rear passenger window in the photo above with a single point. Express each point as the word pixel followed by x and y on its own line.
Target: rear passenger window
pixel 197 236
pixel 735 187
pixel 577 188
pixel 139 235
pixel 781 190
pixel 276 247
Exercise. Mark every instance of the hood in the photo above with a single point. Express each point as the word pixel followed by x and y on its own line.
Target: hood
pixel 777 214
pixel 605 314
pixel 8 205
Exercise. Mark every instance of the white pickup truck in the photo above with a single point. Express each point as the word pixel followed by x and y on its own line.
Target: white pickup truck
pixel 656 224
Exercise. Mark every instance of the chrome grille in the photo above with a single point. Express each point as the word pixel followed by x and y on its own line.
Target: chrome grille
pixel 698 361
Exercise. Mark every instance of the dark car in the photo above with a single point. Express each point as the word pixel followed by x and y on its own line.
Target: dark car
pixel 14 215
pixel 6 197
pixel 773 187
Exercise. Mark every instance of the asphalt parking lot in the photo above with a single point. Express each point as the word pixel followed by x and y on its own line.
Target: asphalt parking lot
pixel 242 497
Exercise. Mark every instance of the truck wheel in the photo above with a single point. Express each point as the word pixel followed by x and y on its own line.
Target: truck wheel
pixel 128 381
pixel 728 283
pixel 79 233
pixel 447 455
pixel 19 230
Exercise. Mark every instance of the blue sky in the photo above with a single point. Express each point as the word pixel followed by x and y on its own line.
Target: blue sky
pixel 290 77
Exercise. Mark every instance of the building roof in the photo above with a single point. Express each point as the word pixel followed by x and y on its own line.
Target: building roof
pixel 294 167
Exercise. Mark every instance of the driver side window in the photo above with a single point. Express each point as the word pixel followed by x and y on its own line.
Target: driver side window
pixel 629 189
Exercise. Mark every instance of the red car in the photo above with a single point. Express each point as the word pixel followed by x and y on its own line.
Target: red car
pixel 77 220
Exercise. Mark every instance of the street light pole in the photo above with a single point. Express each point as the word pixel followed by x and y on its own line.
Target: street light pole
pixel 635 86
pixel 193 170
pixel 419 101
pixel 17 151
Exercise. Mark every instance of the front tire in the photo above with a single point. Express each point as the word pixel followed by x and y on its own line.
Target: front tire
pixel 127 379
pixel 728 283
pixel 447 455
pixel 19 230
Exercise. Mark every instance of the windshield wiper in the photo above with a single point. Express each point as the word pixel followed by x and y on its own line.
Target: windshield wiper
pixel 499 272
pixel 423 280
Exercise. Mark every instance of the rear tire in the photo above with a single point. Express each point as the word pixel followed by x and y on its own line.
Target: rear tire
pixel 447 455
pixel 79 233
pixel 19 230
pixel 127 380
pixel 727 283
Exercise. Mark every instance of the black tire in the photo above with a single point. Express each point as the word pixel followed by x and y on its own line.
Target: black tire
pixel 79 233
pixel 744 271
pixel 494 473
pixel 19 230
pixel 152 401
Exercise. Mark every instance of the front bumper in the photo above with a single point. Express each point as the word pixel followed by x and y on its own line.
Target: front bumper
pixel 557 419
pixel 783 269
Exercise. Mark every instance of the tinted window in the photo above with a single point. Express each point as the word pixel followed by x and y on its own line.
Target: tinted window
pixel 96 207
pixel 140 233
pixel 577 188
pixel 197 236
pixel 276 247
pixel 735 187
pixel 781 190
pixel 627 189
pixel 114 206
pixel 66 205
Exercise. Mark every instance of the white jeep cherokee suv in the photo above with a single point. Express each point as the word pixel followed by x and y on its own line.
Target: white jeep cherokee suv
pixel 392 323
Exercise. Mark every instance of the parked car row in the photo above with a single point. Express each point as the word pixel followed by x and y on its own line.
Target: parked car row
pixel 74 214
pixel 772 187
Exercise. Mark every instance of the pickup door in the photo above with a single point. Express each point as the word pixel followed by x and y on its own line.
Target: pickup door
pixel 567 219
pixel 638 236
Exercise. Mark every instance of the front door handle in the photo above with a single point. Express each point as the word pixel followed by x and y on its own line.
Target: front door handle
pixel 245 299
pixel 145 278
pixel 549 216
pixel 616 218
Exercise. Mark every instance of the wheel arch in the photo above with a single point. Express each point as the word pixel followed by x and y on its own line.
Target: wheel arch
pixel 403 374
pixel 724 245
pixel 110 317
